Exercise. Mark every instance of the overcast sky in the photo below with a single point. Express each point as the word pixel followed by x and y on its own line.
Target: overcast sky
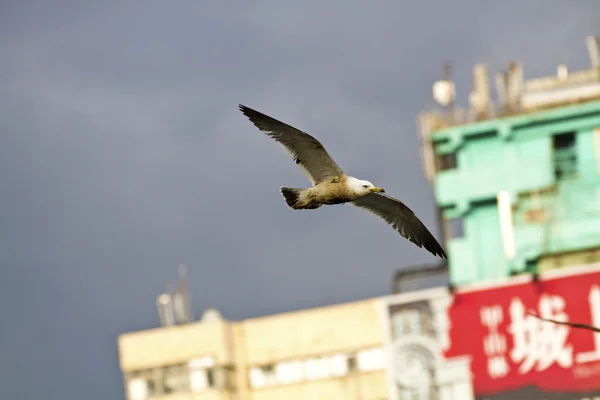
pixel 123 154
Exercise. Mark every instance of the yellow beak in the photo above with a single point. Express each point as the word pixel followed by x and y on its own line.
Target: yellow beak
pixel 377 190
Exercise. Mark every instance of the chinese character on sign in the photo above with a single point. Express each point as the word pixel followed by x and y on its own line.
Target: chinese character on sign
pixel 537 343
pixel 594 301
pixel 497 367
pixel 494 343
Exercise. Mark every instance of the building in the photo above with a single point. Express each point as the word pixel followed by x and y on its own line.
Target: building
pixel 514 355
pixel 346 351
pixel 328 353
pixel 517 183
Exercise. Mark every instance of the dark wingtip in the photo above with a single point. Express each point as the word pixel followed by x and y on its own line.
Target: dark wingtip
pixel 436 249
pixel 433 246
pixel 440 252
pixel 243 109
pixel 262 121
pixel 250 113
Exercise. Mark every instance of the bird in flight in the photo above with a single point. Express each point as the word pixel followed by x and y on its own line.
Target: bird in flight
pixel 330 185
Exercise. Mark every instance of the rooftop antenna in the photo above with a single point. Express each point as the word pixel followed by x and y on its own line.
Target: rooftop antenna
pixel 182 304
pixel 514 85
pixel 480 96
pixel 444 91
pixel 562 72
pixel 174 306
pixel 166 312
pixel 593 46
pixel 501 90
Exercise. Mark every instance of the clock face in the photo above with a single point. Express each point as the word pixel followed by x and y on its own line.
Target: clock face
pixel 412 369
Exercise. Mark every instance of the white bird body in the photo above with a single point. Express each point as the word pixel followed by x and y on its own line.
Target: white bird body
pixel 331 191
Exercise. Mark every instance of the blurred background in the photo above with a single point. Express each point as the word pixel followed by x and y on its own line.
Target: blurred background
pixel 123 155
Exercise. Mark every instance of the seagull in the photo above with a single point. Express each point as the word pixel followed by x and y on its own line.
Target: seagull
pixel 330 185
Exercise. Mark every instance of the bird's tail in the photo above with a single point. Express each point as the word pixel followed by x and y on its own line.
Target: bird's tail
pixel 298 199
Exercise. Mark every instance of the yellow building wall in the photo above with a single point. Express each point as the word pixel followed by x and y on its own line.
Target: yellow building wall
pixel 176 344
pixel 297 335
pixel 363 386
pixel 303 333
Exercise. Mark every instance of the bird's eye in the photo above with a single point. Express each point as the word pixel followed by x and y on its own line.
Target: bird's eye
pixel 366 186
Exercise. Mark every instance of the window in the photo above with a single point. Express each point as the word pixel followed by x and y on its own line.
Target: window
pixel 447 161
pixel 455 228
pixel 194 376
pixel 289 372
pixel 137 389
pixel 535 216
pixel 316 368
pixel 262 376
pixel 198 380
pixel 351 363
pixel 406 323
pixel 210 377
pixel 564 155
pixel 338 365
pixel 257 378
pixel 370 360
pixel 176 379
pixel 220 377
pixel 204 374
pixel 411 321
pixel 142 384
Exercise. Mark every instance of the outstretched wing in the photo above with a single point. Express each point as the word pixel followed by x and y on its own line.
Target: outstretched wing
pixel 402 219
pixel 307 151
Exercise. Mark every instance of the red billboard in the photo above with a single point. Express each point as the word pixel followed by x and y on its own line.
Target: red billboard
pixel 516 355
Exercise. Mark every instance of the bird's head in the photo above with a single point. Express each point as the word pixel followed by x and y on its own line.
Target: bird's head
pixel 364 187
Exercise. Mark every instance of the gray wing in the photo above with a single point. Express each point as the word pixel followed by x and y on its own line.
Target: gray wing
pixel 307 151
pixel 402 219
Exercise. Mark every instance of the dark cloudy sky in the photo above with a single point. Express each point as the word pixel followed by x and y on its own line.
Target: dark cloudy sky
pixel 123 154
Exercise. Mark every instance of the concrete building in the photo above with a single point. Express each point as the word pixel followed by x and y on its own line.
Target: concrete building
pixel 416 328
pixel 517 182
pixel 373 349
pixel 327 353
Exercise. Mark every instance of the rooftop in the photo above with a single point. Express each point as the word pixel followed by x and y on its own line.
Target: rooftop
pixel 515 96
